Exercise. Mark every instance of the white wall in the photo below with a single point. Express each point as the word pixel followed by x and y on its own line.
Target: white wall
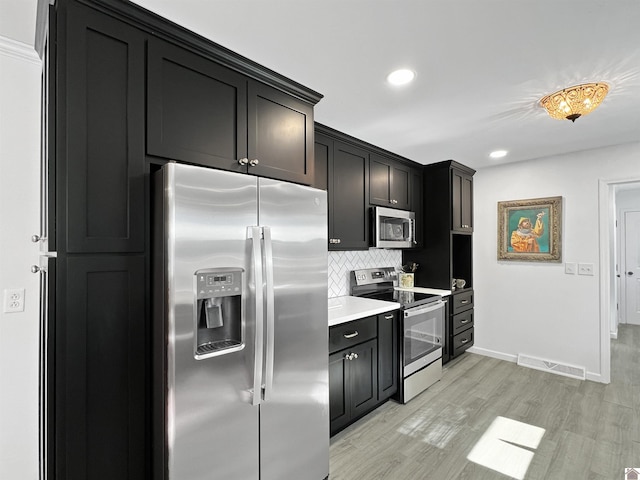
pixel 19 219
pixel 535 308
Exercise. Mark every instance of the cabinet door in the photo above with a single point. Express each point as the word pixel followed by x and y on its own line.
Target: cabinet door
pixel 100 394
pixel 363 378
pixel 280 134
pixel 196 109
pixel 100 177
pixel 387 355
pixel 348 198
pixel 388 183
pixel 339 411
pixel 462 201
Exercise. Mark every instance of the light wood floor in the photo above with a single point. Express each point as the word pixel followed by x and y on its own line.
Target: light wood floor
pixel 591 430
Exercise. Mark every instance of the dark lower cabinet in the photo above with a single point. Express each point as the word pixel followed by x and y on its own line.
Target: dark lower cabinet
pixel 363 367
pixel 461 329
pixel 100 374
pixel 387 355
pixel 353 383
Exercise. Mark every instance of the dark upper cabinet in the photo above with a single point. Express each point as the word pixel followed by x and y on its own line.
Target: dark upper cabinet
pixel 280 135
pixel 203 113
pixel 196 109
pixel 461 201
pixel 347 188
pixel 100 151
pixel 389 183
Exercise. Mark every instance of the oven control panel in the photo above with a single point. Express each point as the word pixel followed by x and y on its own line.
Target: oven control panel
pixel 369 276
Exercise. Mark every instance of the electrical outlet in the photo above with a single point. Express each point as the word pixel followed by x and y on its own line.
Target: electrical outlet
pixel 13 300
pixel 585 269
pixel 570 268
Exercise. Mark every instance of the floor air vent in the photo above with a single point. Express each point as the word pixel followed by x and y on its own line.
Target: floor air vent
pixel 552 367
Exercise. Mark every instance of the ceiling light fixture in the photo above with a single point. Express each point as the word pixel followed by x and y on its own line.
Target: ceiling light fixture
pixel 401 77
pixel 573 102
pixel 498 154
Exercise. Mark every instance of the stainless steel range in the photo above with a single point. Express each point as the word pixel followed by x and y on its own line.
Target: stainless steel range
pixel 422 328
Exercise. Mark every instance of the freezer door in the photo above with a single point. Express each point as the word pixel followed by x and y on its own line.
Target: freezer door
pixel 212 425
pixel 294 416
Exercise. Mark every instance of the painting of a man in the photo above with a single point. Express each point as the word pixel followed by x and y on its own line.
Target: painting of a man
pixel 525 237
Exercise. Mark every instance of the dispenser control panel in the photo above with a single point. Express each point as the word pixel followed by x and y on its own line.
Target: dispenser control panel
pixel 217 282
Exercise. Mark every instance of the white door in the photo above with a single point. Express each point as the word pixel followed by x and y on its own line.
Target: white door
pixel 631 271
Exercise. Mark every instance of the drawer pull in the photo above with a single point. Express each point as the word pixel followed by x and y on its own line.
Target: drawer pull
pixel 466 320
pixel 388 317
pixel 464 340
pixel 351 335
pixel 464 302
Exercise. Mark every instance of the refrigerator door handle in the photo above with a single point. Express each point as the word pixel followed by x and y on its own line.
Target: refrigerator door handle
pixel 270 313
pixel 255 234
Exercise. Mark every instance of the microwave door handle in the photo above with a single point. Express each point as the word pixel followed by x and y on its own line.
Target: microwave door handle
pixel 255 234
pixel 413 231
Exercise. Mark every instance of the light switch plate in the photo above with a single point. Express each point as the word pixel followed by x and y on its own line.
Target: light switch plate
pixel 570 268
pixel 585 269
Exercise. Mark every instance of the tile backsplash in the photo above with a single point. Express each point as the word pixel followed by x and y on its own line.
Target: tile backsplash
pixel 341 263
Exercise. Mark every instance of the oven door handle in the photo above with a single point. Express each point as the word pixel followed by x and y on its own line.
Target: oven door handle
pixel 410 312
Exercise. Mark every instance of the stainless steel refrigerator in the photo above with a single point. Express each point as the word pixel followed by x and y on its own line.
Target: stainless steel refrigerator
pixel 242 266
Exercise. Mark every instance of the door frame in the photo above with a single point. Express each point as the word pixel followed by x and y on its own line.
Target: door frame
pixel 622 258
pixel 608 285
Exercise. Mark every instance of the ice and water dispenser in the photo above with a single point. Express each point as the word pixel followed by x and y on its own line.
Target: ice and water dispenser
pixel 218 311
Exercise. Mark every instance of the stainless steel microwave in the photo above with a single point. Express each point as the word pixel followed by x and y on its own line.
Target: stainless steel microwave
pixel 393 228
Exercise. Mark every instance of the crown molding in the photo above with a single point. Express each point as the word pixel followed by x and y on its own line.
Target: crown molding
pixel 21 51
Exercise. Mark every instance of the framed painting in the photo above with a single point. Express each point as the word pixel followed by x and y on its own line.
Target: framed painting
pixel 530 230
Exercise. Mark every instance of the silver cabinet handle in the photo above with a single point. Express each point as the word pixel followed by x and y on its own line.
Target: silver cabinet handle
pixel 466 320
pixel 253 162
pixel 334 240
pixel 393 202
pixel 464 302
pixel 463 341
pixel 351 356
pixel 388 317
pixel 351 335
pixel 243 161
pixel 35 238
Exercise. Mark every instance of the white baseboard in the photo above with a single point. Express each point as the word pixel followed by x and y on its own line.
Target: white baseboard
pixel 594 377
pixel 493 354
pixel 614 335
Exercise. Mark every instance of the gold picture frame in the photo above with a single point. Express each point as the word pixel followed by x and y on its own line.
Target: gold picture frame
pixel 530 230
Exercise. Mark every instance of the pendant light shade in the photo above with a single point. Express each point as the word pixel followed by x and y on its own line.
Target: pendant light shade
pixel 574 102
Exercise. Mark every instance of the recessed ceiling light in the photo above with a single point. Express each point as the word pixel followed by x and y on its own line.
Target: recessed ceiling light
pixel 498 154
pixel 401 77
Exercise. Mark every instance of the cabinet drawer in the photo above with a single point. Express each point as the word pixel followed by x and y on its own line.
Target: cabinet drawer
pixel 351 333
pixel 462 321
pixel 462 301
pixel 462 341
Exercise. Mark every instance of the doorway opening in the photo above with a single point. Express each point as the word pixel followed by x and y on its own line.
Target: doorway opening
pixel 609 260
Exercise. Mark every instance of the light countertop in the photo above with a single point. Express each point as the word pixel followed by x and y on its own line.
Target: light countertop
pixel 346 309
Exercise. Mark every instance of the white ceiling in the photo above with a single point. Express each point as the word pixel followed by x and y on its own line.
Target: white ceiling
pixel 482 66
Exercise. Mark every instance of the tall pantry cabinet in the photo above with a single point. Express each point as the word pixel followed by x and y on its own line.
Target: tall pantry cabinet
pixel 101 393
pixel 447 247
